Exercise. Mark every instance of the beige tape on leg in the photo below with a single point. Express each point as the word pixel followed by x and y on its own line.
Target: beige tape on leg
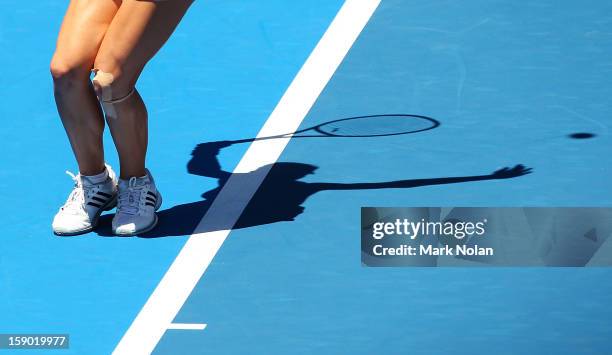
pixel 104 82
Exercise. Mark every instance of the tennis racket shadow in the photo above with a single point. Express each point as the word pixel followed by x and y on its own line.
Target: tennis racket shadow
pixel 281 195
pixel 360 127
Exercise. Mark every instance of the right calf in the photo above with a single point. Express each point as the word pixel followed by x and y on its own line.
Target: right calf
pixel 80 113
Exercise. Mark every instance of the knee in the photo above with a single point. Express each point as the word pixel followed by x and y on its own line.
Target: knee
pixel 111 82
pixel 66 74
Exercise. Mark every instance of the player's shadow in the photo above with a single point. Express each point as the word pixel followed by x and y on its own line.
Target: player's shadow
pixel 279 198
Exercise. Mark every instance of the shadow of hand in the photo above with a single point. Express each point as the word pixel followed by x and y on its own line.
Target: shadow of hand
pixel 506 173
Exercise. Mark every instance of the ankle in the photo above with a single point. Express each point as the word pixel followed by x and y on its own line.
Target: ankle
pixel 89 171
pixel 126 175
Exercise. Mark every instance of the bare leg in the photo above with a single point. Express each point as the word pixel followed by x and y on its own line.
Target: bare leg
pixel 81 34
pixel 137 32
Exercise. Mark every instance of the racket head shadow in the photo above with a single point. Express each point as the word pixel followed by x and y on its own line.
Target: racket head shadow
pixel 376 126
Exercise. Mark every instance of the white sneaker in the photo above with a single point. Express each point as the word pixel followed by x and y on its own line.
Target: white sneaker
pixel 138 200
pixel 84 205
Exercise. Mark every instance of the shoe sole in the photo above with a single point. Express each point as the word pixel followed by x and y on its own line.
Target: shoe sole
pixel 94 224
pixel 149 227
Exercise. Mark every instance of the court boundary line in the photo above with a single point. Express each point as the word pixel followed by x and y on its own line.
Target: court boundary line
pixel 158 313
pixel 187 326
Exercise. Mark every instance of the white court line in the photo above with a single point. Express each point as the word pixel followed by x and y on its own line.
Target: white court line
pixel 161 308
pixel 187 326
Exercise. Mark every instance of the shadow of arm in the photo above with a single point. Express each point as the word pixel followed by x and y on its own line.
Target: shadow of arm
pixel 504 173
pixel 204 160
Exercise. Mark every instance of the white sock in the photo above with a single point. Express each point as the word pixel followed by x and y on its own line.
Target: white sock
pixel 99 178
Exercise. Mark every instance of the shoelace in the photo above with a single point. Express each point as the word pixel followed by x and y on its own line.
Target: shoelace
pixel 76 199
pixel 129 199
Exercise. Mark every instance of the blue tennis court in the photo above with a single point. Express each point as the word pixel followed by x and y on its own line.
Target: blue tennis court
pixel 508 83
